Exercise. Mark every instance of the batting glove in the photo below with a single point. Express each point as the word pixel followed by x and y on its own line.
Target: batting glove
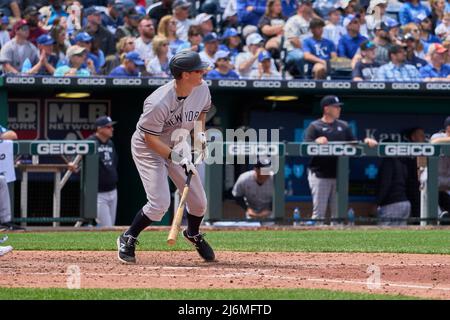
pixel 188 166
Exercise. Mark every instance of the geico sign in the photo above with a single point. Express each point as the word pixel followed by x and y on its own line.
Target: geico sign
pixel 301 84
pixel 409 150
pixel 438 86
pixel 157 82
pixel 64 81
pixel 405 86
pixel 331 150
pixel 337 85
pixel 208 83
pixel 252 149
pixel 127 82
pixel 371 85
pixel 91 82
pixel 233 83
pixel 21 80
pixel 62 148
pixel 267 84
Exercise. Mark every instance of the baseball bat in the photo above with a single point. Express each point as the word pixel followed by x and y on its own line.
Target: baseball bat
pixel 176 222
pixel 68 172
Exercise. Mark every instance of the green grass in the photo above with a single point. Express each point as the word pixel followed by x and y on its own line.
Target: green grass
pixel 192 294
pixel 358 240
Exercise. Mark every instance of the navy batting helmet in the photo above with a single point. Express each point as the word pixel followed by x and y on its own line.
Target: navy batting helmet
pixel 186 61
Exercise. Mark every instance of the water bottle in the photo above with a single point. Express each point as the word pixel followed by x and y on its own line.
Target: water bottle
pixel 296 217
pixel 351 217
pixel 26 66
pixel 290 189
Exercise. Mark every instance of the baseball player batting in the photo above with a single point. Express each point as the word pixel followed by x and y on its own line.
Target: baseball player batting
pixel 179 104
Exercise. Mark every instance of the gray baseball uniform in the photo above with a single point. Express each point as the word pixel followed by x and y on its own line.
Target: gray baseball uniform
pixel 164 113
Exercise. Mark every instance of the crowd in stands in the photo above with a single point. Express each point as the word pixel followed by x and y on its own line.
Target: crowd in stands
pixel 372 40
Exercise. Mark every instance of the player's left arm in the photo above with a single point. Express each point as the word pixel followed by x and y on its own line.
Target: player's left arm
pixel 8 135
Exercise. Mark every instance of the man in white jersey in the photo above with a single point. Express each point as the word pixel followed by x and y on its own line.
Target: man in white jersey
pixel 171 112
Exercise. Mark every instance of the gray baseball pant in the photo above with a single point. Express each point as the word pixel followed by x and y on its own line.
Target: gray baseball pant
pixel 153 171
pixel 106 208
pixel 394 214
pixel 323 191
pixel 5 205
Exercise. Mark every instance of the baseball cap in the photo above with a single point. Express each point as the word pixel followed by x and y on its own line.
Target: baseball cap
pixel 248 30
pixel 254 38
pixel 186 60
pixel 367 45
pixel 436 48
pixel 348 19
pixel 264 55
pixel 221 54
pixel 210 37
pixel 30 11
pixel 19 24
pixel 104 121
pixel 135 57
pixel 382 26
pixel 90 11
pixel 392 23
pixel 5 20
pixel 202 17
pixel 447 122
pixel 330 101
pixel 74 50
pixel 421 17
pixel 396 49
pixel 230 32
pixel 408 36
pixel 181 3
pixel 45 40
pixel 262 163
pixel 82 37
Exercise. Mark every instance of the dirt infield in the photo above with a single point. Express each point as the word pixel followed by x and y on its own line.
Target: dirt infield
pixel 407 274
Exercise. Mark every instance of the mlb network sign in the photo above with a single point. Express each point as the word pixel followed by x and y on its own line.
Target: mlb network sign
pixel 62 148
pixel 408 150
pixel 313 150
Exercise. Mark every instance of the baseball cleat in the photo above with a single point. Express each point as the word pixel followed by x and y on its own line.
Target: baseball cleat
pixel 126 245
pixel 5 250
pixel 203 248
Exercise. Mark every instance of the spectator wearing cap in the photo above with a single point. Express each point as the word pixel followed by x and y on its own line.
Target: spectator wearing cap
pixel 247 61
pixel 19 50
pixel 231 43
pixel 350 42
pixel 130 26
pixel 159 65
pixel 333 30
pixel 112 17
pixel 159 9
pixel 426 31
pixel 376 14
pixel 102 38
pixel 411 57
pixel 31 15
pixel 397 69
pixel 394 31
pixel 414 30
pixel 211 42
pixel 195 40
pixel 253 191
pixel 107 171
pixel 76 66
pixel 47 59
pixel 443 136
pixel 296 30
pixel 367 67
pixel 4 33
pixel 318 50
pixel 265 70
pixel 436 70
pixel 250 11
pixel 56 11
pixel 205 21
pixel 168 28
pixel 83 39
pixel 223 67
pixel 271 26
pixel 125 45
pixel 144 41
pixel 11 8
pixel 129 67
pixel 322 170
pixel 180 10
pixel 410 10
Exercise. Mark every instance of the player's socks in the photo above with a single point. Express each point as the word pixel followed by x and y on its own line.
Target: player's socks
pixel 193 224
pixel 140 222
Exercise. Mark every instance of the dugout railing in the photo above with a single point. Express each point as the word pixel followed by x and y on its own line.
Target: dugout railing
pixel 52 158
pixel 344 151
